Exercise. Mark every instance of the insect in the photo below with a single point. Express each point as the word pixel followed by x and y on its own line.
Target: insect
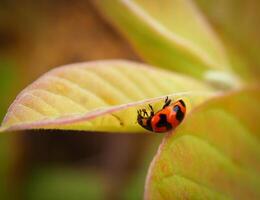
pixel 169 117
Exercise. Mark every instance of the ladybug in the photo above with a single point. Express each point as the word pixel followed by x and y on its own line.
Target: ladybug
pixel 169 117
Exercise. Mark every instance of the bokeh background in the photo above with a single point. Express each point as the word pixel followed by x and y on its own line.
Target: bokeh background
pixel 36 36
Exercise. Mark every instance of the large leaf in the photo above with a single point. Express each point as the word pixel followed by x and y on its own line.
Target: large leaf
pixel 214 155
pixel 99 96
pixel 240 36
pixel 173 34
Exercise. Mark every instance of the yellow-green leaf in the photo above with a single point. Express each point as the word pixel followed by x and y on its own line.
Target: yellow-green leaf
pixel 173 34
pixel 241 37
pixel 98 96
pixel 215 154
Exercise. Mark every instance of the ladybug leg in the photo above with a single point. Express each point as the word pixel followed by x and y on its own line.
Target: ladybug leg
pixel 167 102
pixel 140 112
pixel 152 111
pixel 145 112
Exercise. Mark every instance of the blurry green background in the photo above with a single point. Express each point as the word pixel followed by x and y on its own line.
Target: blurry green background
pixel 36 36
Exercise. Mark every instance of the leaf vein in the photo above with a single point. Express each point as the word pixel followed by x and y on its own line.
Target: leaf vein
pixel 81 89
pixel 59 95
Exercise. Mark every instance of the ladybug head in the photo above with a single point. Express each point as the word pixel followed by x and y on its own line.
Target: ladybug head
pixel 145 122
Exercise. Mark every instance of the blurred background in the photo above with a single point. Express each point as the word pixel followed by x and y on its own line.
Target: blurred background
pixel 36 36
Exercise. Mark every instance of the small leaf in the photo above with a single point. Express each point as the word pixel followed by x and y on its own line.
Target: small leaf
pixel 215 154
pixel 97 96
pixel 173 34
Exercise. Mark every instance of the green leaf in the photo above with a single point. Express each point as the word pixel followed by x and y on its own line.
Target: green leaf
pixel 215 154
pixel 98 96
pixel 241 37
pixel 173 34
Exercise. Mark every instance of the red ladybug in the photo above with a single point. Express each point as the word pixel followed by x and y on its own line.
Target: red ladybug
pixel 169 117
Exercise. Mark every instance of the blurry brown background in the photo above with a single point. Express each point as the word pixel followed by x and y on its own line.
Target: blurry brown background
pixel 36 36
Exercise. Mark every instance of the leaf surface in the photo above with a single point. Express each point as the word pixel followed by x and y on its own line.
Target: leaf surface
pixel 98 96
pixel 214 155
pixel 241 37
pixel 173 34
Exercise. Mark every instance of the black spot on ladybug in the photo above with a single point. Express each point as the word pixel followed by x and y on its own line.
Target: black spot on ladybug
pixel 163 122
pixel 182 102
pixel 179 113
